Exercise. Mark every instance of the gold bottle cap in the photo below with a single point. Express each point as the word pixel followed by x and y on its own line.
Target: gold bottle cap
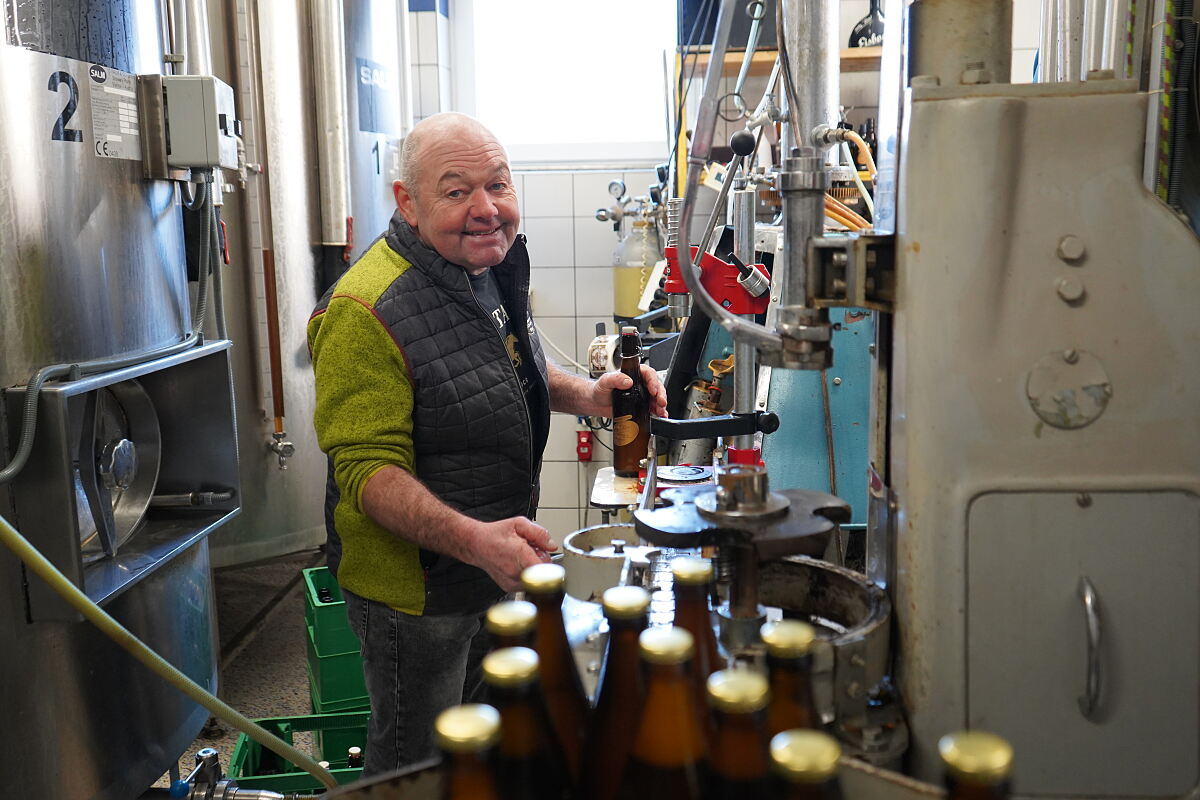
pixel 739 691
pixel 512 618
pixel 467 728
pixel 976 756
pixel 666 645
pixel 692 571
pixel 805 756
pixel 625 602
pixel 510 666
pixel 788 638
pixel 543 578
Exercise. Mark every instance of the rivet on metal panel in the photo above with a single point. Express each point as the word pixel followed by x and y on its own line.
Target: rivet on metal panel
pixel 1070 356
pixel 1070 289
pixel 1071 248
pixel 854 689
pixel 837 381
pixel 1083 499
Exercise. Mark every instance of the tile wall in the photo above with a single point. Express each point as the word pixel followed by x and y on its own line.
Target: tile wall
pixel 571 291
pixel 429 28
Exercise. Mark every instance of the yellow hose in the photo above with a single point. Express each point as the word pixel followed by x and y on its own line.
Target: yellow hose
pixel 117 632
pixel 845 211
pixel 864 152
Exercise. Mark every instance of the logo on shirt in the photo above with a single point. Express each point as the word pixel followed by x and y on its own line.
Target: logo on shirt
pixel 514 350
pixel 500 317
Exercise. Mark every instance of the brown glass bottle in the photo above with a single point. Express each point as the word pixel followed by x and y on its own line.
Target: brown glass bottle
pixel 630 410
pixel 977 765
pixel 561 684
pixel 738 764
pixel 618 696
pixel 693 577
pixel 466 736
pixel 668 741
pixel 804 766
pixel 789 665
pixel 529 759
pixel 512 624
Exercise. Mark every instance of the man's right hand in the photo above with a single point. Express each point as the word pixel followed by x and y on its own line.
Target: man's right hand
pixel 506 547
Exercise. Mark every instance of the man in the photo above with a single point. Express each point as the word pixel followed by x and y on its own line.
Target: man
pixel 433 403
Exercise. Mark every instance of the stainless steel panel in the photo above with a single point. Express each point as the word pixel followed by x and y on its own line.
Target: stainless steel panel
pixel 82 718
pixel 1028 641
pixel 93 259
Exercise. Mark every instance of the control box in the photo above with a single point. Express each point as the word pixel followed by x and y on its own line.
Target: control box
pixel 190 121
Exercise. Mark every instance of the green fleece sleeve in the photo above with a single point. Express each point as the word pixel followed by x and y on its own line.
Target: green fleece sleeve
pixel 364 389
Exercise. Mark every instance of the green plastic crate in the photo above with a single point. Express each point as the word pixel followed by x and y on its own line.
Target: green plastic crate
pixel 327 621
pixel 322 706
pixel 255 767
pixel 336 676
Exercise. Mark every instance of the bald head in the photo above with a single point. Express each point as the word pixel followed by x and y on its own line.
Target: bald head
pixel 440 128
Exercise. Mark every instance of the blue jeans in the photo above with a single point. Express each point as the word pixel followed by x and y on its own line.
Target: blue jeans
pixel 415 668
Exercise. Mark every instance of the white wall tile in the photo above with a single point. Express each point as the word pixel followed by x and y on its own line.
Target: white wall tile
pixel 591 192
pixel 559 521
pixel 1022 65
pixel 424 27
pixel 639 181
pixel 552 291
pixel 548 194
pixel 428 94
pixel 594 243
pixel 551 241
pixel 859 89
pixel 560 485
pixel 561 331
pixel 561 445
pixel 594 291
pixel 1027 24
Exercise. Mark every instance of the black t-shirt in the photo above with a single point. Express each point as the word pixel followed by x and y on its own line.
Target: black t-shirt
pixel 487 293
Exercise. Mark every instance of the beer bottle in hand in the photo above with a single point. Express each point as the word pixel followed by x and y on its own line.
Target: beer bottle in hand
pixel 529 760
pixel 693 577
pixel 512 624
pixel 977 764
pixel 804 766
pixel 466 735
pixel 618 696
pixel 789 664
pixel 668 741
pixel 738 763
pixel 561 684
pixel 630 410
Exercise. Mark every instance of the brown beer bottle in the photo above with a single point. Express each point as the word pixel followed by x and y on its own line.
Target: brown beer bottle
pixel 618 696
pixel 804 766
pixel 789 664
pixel 668 738
pixel 692 579
pixel 561 683
pixel 512 624
pixel 630 410
pixel 529 760
pixel 978 765
pixel 466 735
pixel 739 766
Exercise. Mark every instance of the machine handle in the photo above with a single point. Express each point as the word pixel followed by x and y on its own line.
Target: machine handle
pixel 1091 611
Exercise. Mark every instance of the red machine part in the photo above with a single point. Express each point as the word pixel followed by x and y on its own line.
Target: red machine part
pixel 749 455
pixel 719 280
pixel 583 445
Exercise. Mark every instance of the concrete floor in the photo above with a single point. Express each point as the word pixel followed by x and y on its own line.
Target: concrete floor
pixel 260 621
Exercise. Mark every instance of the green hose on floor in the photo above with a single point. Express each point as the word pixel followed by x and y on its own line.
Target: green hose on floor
pixel 117 632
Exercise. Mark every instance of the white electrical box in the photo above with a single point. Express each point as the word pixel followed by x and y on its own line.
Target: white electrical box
pixel 200 122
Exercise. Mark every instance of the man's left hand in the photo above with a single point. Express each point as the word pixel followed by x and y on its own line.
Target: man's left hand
pixel 603 388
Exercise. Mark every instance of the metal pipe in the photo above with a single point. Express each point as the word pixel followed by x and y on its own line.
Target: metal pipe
pixel 745 368
pixel 333 149
pixel 811 40
pixel 198 52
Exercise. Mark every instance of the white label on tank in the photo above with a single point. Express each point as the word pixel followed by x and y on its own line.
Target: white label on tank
pixel 114 114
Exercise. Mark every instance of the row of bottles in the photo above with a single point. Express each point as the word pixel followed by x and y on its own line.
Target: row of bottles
pixel 669 719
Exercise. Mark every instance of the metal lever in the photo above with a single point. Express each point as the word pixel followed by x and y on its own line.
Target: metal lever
pixel 1091 611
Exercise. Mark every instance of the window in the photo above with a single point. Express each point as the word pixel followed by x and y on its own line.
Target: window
pixel 567 80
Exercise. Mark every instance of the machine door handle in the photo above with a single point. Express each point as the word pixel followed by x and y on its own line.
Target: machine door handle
pixel 1090 699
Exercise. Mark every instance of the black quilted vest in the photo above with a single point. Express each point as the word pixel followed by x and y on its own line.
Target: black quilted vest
pixel 475 445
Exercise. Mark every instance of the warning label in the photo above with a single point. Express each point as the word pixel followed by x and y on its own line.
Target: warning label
pixel 114 113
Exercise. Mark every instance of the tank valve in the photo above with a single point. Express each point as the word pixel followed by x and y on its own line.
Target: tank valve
pixel 282 448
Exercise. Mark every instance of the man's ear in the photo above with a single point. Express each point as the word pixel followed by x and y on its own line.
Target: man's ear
pixel 405 203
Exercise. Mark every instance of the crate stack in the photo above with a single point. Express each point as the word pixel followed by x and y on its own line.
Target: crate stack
pixel 335 675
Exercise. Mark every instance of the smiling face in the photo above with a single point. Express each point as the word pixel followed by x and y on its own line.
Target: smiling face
pixel 461 200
